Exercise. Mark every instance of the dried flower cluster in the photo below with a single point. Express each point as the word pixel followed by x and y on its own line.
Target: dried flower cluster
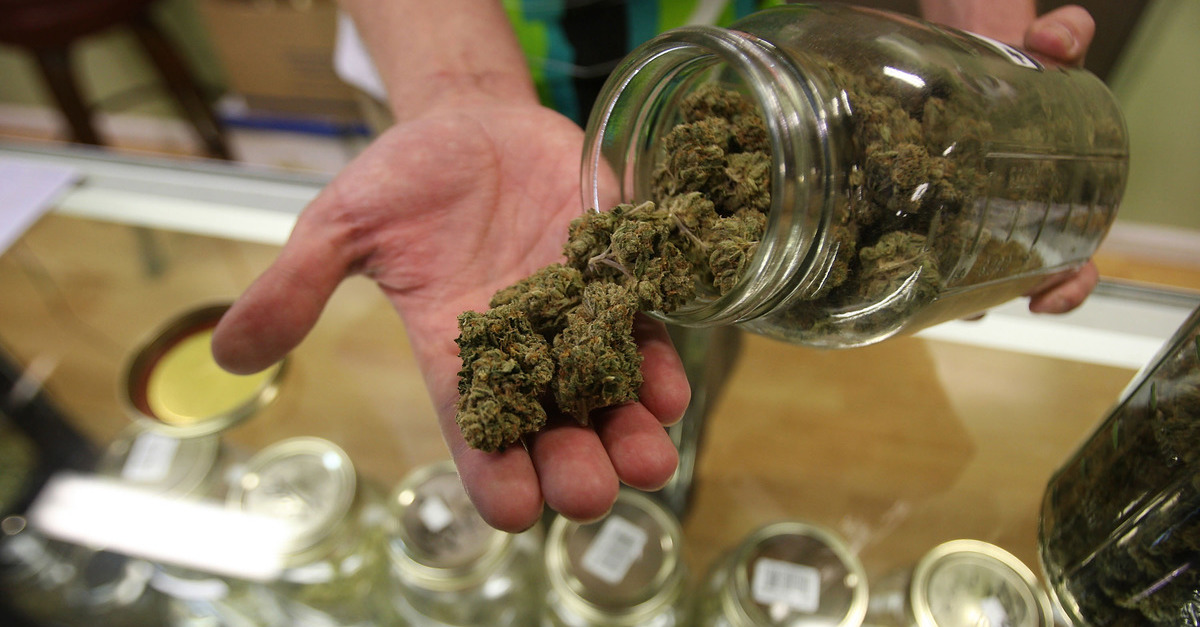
pixel 566 332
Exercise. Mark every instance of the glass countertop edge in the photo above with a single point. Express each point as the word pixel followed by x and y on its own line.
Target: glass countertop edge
pixel 1120 325
pixel 203 197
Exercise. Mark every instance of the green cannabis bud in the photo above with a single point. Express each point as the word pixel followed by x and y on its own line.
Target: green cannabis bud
pixel 1122 530
pixel 598 361
pixel 506 368
pixel 545 297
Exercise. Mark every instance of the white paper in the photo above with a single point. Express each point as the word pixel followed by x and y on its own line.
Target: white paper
pixel 130 519
pixel 27 190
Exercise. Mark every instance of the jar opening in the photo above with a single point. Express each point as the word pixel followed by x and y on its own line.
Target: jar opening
pixel 640 105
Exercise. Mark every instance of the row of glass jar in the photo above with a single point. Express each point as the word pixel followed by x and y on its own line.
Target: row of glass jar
pixel 422 556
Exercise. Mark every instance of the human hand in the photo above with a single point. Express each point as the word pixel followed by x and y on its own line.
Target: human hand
pixel 1063 35
pixel 440 212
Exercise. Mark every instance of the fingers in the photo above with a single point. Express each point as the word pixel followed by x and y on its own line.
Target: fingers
pixel 1067 294
pixel 503 486
pixel 639 448
pixel 666 392
pixel 577 478
pixel 275 313
pixel 1063 34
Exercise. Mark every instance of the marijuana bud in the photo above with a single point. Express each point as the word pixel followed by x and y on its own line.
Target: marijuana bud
pixel 731 243
pixel 899 263
pixel 713 101
pixel 507 366
pixel 598 361
pixel 694 154
pixel 544 297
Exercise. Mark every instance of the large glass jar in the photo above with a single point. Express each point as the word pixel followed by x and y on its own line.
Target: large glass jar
pixel 915 173
pixel 1120 527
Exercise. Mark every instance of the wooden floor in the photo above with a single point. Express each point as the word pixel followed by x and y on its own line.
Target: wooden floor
pixel 896 447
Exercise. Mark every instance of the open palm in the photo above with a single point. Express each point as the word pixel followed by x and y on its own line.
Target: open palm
pixel 441 212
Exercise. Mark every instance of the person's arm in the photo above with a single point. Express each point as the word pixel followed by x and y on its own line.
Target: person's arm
pixel 430 54
pixel 471 190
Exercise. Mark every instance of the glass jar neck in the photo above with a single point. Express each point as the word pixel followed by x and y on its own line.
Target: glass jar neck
pixel 639 105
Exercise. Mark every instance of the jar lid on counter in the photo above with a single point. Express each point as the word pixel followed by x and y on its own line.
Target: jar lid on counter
pixel 968 582
pixel 173 383
pixel 175 466
pixel 624 566
pixel 307 481
pixel 440 538
pixel 795 573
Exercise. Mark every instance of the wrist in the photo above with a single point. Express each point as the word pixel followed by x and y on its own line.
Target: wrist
pixel 434 90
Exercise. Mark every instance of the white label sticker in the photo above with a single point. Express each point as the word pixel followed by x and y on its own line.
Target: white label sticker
pixel 994 613
pixel 618 545
pixel 435 515
pixel 1013 54
pixel 794 585
pixel 149 458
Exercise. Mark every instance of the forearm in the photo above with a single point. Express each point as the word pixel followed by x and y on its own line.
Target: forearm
pixel 1005 20
pixel 434 53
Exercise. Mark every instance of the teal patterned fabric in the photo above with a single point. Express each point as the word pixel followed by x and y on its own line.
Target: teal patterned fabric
pixel 573 44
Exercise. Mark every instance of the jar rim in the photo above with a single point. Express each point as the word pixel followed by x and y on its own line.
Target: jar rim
pixel 787 98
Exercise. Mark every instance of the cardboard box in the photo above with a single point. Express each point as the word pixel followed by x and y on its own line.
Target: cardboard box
pixel 278 54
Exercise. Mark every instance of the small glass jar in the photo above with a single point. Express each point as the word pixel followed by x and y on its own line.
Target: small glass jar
pixel 35 572
pixel 449 568
pixel 199 599
pixel 624 570
pixel 916 173
pixel 334 571
pixel 790 574
pixel 180 467
pixel 113 589
pixel 961 583
pixel 173 384
pixel 1120 526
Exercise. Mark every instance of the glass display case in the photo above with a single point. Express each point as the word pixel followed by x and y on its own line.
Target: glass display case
pixel 896 448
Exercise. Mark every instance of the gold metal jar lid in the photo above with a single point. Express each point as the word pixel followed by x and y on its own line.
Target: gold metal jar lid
pixel 307 481
pixel 966 583
pixel 173 384
pixel 622 569
pixel 170 465
pixel 440 540
pixel 794 573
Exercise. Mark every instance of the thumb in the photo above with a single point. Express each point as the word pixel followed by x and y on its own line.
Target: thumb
pixel 1063 34
pixel 281 306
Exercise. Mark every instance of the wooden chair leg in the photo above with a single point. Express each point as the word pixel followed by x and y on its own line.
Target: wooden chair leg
pixel 59 74
pixel 182 85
